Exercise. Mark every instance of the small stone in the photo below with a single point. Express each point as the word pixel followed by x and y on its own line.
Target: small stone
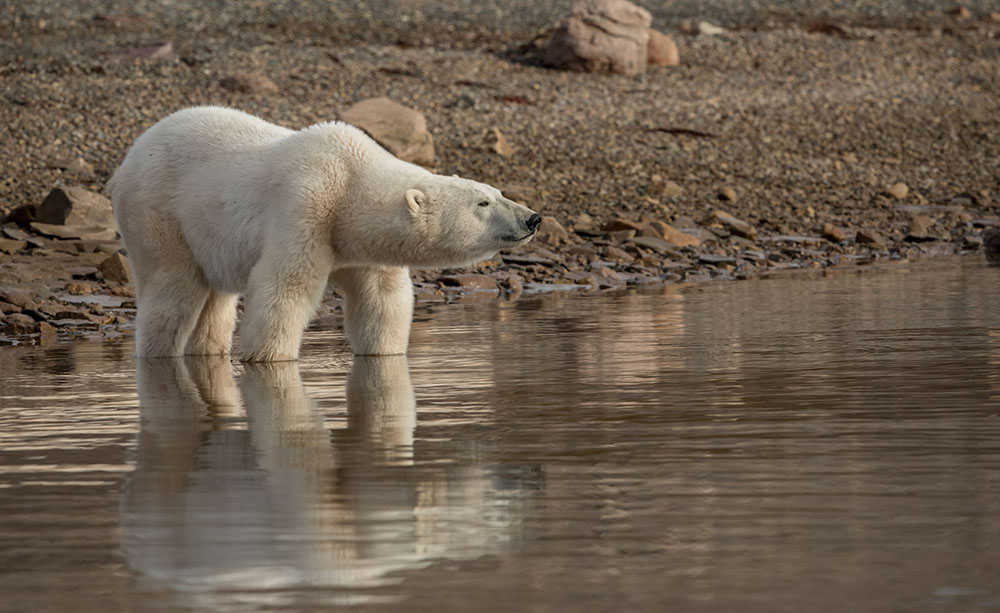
pixel 249 83
pixel 80 168
pixel 728 194
pixel 675 236
pixel 654 244
pixel 961 12
pixel 617 255
pixel 602 36
pixel 75 206
pixel 870 237
pixel 608 278
pixel 662 50
pixel 17 324
pixel 920 229
pixel 619 236
pixel 736 226
pixel 660 187
pixel 77 288
pixel 709 29
pixel 470 282
pixel 116 268
pixel 153 51
pixel 497 143
pixel 619 224
pixel 515 284
pixel 10 246
pixel 898 191
pixel 401 130
pixel 22 215
pixel 833 233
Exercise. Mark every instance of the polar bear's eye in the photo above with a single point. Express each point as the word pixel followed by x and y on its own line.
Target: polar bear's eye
pixel 484 203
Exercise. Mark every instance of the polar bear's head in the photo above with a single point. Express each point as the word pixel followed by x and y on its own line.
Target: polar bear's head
pixel 457 221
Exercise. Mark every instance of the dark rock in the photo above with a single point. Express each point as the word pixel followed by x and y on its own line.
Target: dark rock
pixel 618 224
pixel 662 50
pixel 22 215
pixel 75 206
pixel 986 222
pixel 991 245
pixel 711 258
pixel 602 36
pixel 401 130
pixel 972 241
pixel 920 229
pixel 249 83
pixel 115 268
pixel 17 324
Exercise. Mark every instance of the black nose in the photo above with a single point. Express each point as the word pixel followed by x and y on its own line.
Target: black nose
pixel 534 221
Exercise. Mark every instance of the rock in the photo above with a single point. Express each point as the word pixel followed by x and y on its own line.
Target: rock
pixel 17 324
pixel 249 83
pixel 22 215
pixel 898 191
pixel 11 246
pixel 115 268
pixel 995 16
pixel 401 130
pixel 654 244
pixel 727 193
pixel 152 51
pixel 68 232
pixel 618 224
pixel 470 282
pixel 607 278
pixel 662 50
pixel 602 36
pixel 833 233
pixel 660 187
pixel 617 255
pixel 961 12
pixel 709 29
pixel 587 252
pixel 674 236
pixel 75 206
pixel 80 168
pixel 920 229
pixel 497 143
pixel 736 226
pixel 991 245
pixel 972 241
pixel 551 231
pixel 870 237
pixel 618 236
pixel 47 333
pixel 714 259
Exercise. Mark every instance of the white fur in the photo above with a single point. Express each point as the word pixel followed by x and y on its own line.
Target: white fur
pixel 213 203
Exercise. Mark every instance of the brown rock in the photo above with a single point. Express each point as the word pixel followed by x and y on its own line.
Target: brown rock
pixel 551 231
pixel 833 233
pixel 68 232
pixel 727 193
pixel 961 12
pixel 115 268
pixel 515 284
pixel 870 237
pixel 10 246
pixel 17 324
pixel 607 278
pixel 898 191
pixel 602 36
pixel 471 282
pixel 617 255
pixel 655 244
pixel 249 83
pixel 675 236
pixel 22 215
pixel 48 334
pixel 75 206
pixel 662 50
pixel 736 226
pixel 991 245
pixel 153 51
pixel 80 168
pixel 920 229
pixel 618 224
pixel 17 296
pixel 497 143
pixel 401 130
pixel 660 187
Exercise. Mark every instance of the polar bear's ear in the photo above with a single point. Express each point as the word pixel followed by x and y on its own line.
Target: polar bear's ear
pixel 415 199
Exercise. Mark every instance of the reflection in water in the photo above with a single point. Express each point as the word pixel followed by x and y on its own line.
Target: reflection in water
pixel 278 502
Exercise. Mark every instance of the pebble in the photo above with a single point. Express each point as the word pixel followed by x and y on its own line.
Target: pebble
pixel 662 50
pixel 898 191
pixel 833 233
pixel 870 237
pixel 116 268
pixel 249 83
pixel 497 143
pixel 727 193
pixel 920 229
pixel 735 225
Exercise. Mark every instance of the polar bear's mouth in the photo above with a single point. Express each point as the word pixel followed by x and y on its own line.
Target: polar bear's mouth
pixel 511 239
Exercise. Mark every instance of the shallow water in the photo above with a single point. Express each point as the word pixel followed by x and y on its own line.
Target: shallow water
pixel 777 445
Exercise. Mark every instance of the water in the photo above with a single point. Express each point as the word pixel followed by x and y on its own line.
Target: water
pixel 778 445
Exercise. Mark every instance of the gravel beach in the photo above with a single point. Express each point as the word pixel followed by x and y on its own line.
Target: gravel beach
pixel 799 135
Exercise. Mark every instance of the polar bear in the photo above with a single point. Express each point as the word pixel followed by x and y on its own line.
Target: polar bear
pixel 214 203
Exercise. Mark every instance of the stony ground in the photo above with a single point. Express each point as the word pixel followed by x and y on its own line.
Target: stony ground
pixel 781 143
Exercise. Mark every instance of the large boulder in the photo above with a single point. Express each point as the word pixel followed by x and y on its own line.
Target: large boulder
pixel 401 130
pixel 602 36
pixel 75 206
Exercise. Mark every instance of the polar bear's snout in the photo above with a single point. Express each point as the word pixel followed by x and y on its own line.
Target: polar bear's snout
pixel 533 222
pixel 525 221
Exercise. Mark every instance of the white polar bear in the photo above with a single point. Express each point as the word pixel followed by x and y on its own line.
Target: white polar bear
pixel 213 203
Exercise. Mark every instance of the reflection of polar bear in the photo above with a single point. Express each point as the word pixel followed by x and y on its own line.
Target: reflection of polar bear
pixel 213 203
pixel 220 511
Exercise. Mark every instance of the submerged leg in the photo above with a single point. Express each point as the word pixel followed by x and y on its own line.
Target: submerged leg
pixel 213 334
pixel 378 309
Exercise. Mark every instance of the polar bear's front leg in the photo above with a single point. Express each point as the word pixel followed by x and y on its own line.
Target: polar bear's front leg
pixel 378 309
pixel 281 300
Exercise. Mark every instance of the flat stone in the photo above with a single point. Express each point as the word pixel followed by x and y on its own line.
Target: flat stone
pixel 619 224
pixel 526 260
pixel 471 282
pixel 11 246
pixel 676 237
pixel 734 225
pixel 401 130
pixel 798 240
pixel 986 222
pixel 658 245
pixel 116 268
pixel 18 324
pixel 93 233
pixel 711 258
pixel 602 36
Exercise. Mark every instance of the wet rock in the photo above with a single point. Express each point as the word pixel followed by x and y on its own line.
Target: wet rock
pixel 735 225
pixel 727 193
pixel 48 334
pixel 920 230
pixel 619 224
pixel 75 206
pixel 898 191
pixel 401 130
pixel 662 50
pixel 17 324
pixel 469 282
pixel 870 238
pixel 608 278
pixel 116 268
pixel 496 142
pixel 991 245
pixel 11 246
pixel 249 83
pixel 602 36
pixel 514 284
pixel 833 233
